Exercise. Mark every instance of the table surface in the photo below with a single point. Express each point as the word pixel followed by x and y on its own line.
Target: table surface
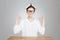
pixel 30 38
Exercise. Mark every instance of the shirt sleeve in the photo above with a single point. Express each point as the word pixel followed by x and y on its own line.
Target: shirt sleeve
pixel 41 28
pixel 17 28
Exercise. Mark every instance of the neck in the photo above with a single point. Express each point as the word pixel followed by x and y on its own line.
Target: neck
pixel 30 18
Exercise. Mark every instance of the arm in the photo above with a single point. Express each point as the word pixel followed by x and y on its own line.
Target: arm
pixel 16 29
pixel 42 20
pixel 17 26
pixel 42 29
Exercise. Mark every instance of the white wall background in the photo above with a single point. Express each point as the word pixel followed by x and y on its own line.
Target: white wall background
pixel 9 9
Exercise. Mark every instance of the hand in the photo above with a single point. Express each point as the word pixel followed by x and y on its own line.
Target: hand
pixel 17 19
pixel 42 20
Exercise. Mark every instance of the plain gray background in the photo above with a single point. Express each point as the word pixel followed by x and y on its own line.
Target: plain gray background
pixel 9 9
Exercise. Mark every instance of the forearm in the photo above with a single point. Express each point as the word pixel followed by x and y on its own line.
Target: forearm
pixel 16 29
pixel 43 26
pixel 42 31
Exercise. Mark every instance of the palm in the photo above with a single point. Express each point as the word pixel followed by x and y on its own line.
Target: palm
pixel 42 20
pixel 17 19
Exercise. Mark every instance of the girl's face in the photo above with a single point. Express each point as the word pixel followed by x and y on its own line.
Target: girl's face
pixel 30 12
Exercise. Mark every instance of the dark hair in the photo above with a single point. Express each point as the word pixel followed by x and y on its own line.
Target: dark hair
pixel 30 7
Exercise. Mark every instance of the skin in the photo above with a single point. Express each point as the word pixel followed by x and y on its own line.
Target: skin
pixel 18 19
pixel 42 20
pixel 30 14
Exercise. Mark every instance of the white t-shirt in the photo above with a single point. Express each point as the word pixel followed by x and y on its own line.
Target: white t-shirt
pixel 29 28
